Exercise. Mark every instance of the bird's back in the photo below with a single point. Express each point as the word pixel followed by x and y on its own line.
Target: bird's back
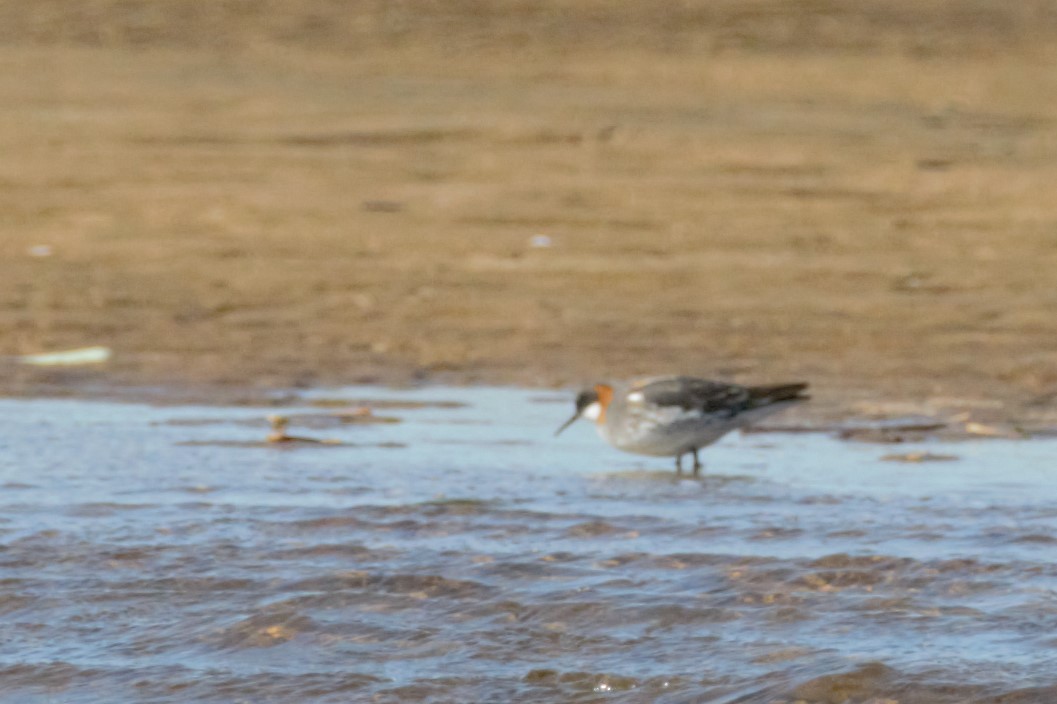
pixel 673 414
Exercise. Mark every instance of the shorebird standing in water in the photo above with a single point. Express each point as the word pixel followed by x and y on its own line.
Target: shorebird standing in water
pixel 671 416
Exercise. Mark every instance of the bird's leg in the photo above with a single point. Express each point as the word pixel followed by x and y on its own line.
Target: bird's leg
pixel 679 465
pixel 697 463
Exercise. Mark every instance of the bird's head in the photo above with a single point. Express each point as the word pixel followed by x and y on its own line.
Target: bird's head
pixel 591 404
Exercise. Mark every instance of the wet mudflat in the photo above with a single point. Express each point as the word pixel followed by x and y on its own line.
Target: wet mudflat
pixel 463 554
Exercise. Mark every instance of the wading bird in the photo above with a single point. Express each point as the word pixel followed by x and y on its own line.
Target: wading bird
pixel 671 416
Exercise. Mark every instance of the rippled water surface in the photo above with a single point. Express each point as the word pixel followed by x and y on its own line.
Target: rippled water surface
pixel 463 554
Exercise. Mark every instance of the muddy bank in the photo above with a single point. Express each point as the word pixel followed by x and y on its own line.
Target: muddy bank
pixel 541 194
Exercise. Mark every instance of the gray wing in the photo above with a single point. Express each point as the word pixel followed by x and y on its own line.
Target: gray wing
pixel 701 395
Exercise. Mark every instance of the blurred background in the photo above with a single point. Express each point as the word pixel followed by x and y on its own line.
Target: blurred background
pixel 276 193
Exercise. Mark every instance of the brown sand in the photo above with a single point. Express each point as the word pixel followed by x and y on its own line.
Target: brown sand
pixel 861 195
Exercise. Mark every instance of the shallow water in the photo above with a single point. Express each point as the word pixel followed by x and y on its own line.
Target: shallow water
pixel 165 554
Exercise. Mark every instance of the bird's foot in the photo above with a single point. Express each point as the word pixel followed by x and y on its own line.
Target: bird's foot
pixel 697 464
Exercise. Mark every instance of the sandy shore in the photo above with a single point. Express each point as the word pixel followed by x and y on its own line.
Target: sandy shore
pixel 540 194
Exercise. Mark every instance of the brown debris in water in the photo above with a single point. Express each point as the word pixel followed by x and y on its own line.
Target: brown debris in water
pixel 385 404
pixel 279 435
pixel 591 529
pixel 363 415
pixel 867 681
pixel 265 630
pixel 918 457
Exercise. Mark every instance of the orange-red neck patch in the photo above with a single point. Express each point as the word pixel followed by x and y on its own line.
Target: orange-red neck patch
pixel 605 397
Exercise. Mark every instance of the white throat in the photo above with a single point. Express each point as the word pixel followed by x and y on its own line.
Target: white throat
pixel 593 412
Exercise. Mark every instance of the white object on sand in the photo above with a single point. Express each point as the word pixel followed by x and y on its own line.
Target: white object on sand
pixel 82 355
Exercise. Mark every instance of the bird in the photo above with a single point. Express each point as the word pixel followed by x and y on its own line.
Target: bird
pixel 672 416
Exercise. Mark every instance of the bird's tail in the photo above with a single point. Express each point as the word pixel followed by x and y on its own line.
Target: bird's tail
pixel 766 395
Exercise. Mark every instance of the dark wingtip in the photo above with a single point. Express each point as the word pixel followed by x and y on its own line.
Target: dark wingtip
pixel 780 392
